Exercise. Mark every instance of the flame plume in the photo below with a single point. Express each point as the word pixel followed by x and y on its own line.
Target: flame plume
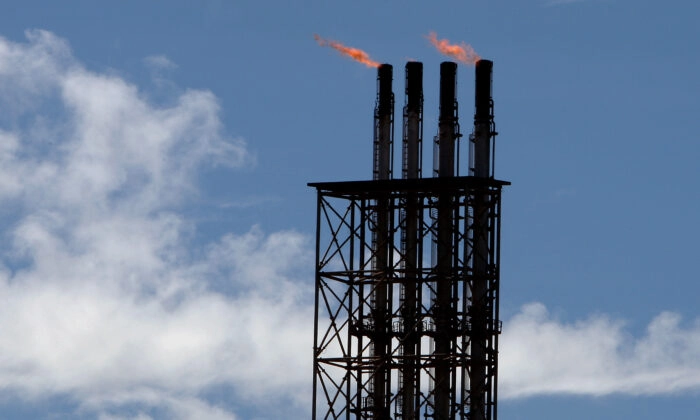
pixel 354 53
pixel 461 52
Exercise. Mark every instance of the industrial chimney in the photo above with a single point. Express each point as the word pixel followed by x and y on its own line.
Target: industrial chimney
pixel 380 310
pixel 411 219
pixel 407 269
pixel 384 124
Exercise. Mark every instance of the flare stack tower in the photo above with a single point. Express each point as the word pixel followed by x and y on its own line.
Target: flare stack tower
pixel 407 268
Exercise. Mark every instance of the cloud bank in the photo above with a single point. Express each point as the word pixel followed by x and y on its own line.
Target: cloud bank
pixel 103 301
pixel 543 356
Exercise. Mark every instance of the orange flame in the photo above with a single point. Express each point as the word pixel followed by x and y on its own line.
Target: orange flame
pixel 463 52
pixel 354 53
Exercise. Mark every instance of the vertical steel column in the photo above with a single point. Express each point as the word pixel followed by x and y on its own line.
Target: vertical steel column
pixel 317 291
pixel 381 247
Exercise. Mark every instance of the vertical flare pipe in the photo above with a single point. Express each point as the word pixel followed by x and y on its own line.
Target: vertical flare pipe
pixel 384 123
pixel 442 306
pixel 448 123
pixel 483 119
pixel 413 121
pixel 482 307
pixel 381 246
pixel 411 168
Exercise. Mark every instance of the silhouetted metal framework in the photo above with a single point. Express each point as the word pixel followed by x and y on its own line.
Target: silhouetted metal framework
pixel 349 324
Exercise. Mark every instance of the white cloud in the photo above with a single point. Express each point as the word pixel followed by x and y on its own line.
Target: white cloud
pixel 103 302
pixel 596 356
pixel 159 62
pixel 160 67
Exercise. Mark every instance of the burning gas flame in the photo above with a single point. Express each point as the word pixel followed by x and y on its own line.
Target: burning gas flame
pixel 463 52
pixel 354 53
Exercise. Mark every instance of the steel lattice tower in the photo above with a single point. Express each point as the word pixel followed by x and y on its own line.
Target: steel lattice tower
pixel 407 270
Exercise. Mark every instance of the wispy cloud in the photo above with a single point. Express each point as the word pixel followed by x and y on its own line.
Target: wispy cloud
pixel 159 62
pixel 597 356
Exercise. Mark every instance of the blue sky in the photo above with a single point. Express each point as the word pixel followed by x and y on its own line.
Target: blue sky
pixel 158 228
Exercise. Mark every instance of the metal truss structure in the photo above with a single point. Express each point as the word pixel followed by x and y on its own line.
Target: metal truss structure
pixel 407 283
